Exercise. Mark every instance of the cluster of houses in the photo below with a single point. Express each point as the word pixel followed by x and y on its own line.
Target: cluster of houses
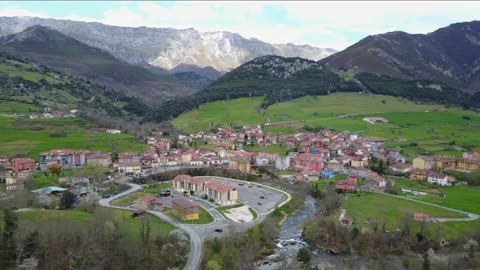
pixel 49 113
pixel 181 207
pixel 372 181
pixel 310 155
pixel 428 168
pixel 215 190
pixel 309 152
pixel 16 171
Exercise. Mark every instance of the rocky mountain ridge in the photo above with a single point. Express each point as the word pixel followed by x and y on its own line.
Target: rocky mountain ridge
pixel 166 47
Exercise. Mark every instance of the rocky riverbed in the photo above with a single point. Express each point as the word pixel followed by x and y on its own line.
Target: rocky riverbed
pixel 290 240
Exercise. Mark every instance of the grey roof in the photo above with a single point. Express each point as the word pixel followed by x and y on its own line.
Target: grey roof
pixel 184 203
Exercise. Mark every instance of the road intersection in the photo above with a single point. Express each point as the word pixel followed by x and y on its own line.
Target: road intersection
pixel 249 194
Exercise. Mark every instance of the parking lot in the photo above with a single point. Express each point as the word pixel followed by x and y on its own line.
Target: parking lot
pixel 251 193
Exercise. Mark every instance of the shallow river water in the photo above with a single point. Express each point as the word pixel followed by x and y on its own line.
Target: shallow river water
pixel 290 240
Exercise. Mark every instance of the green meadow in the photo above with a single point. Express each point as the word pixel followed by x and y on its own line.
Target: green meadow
pixel 420 129
pixel 311 108
pixel 129 227
pixel 232 112
pixel 460 197
pixel 367 208
pixel 31 136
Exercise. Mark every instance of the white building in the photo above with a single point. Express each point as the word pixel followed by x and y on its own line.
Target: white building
pixel 282 163
pixel 375 120
pixel 261 161
pixel 440 179
pixel 113 131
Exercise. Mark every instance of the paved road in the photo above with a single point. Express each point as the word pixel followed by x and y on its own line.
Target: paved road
pixel 470 216
pixel 274 198
pixel 195 257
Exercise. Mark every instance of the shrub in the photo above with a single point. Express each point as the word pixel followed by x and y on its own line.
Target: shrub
pixel 57 134
pixel 303 256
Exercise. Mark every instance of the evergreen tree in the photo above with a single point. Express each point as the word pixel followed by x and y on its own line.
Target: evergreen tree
pixel 426 262
pixel 67 200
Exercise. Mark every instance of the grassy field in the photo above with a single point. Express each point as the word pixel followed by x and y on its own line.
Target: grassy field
pixel 9 107
pixel 128 200
pixel 25 74
pixel 393 211
pixel 276 148
pixel 233 112
pixel 153 189
pixel 157 188
pixel 129 227
pixel 32 136
pixel 427 133
pixel 204 217
pixel 428 129
pixel 421 186
pixel 459 197
pixel 315 107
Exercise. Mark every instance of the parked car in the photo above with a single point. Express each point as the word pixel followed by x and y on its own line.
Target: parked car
pixel 262 197
pixel 165 194
pixel 241 184
pixel 106 196
pixel 219 230
pixel 259 203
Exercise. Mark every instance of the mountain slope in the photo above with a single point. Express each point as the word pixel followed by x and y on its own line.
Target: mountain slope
pixel 166 47
pixel 280 79
pixel 450 55
pixel 207 72
pixel 25 82
pixel 274 77
pixel 54 49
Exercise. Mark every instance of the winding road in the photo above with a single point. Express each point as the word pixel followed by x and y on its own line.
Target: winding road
pixel 195 257
pixel 197 232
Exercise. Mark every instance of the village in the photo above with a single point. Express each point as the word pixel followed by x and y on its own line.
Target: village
pixel 308 157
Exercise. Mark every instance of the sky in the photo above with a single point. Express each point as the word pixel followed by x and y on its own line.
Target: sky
pixel 323 24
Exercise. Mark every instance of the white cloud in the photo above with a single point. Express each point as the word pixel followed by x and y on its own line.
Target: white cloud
pixel 323 24
pixel 10 11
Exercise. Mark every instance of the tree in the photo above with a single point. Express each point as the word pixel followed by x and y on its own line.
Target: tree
pixel 7 245
pixel 426 262
pixel 303 256
pixel 67 200
pixel 213 265
pixel 55 170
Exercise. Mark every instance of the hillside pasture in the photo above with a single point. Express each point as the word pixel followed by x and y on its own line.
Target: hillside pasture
pixel 29 137
pixel 236 112
pixel 370 208
pixel 311 108
pixel 129 227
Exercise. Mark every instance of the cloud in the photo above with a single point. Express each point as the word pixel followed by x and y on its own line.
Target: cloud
pixel 10 11
pixel 323 24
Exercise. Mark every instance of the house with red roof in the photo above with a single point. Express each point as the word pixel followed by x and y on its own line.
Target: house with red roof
pixel 422 217
pixel 146 202
pixel 345 186
pixel 64 158
pixel 307 162
pixel 22 164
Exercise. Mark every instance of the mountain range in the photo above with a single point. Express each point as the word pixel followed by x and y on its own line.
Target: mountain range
pixel 442 66
pixel 48 47
pixel 450 55
pixel 166 47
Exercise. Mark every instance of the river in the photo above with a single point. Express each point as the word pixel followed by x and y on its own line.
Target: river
pixel 290 240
